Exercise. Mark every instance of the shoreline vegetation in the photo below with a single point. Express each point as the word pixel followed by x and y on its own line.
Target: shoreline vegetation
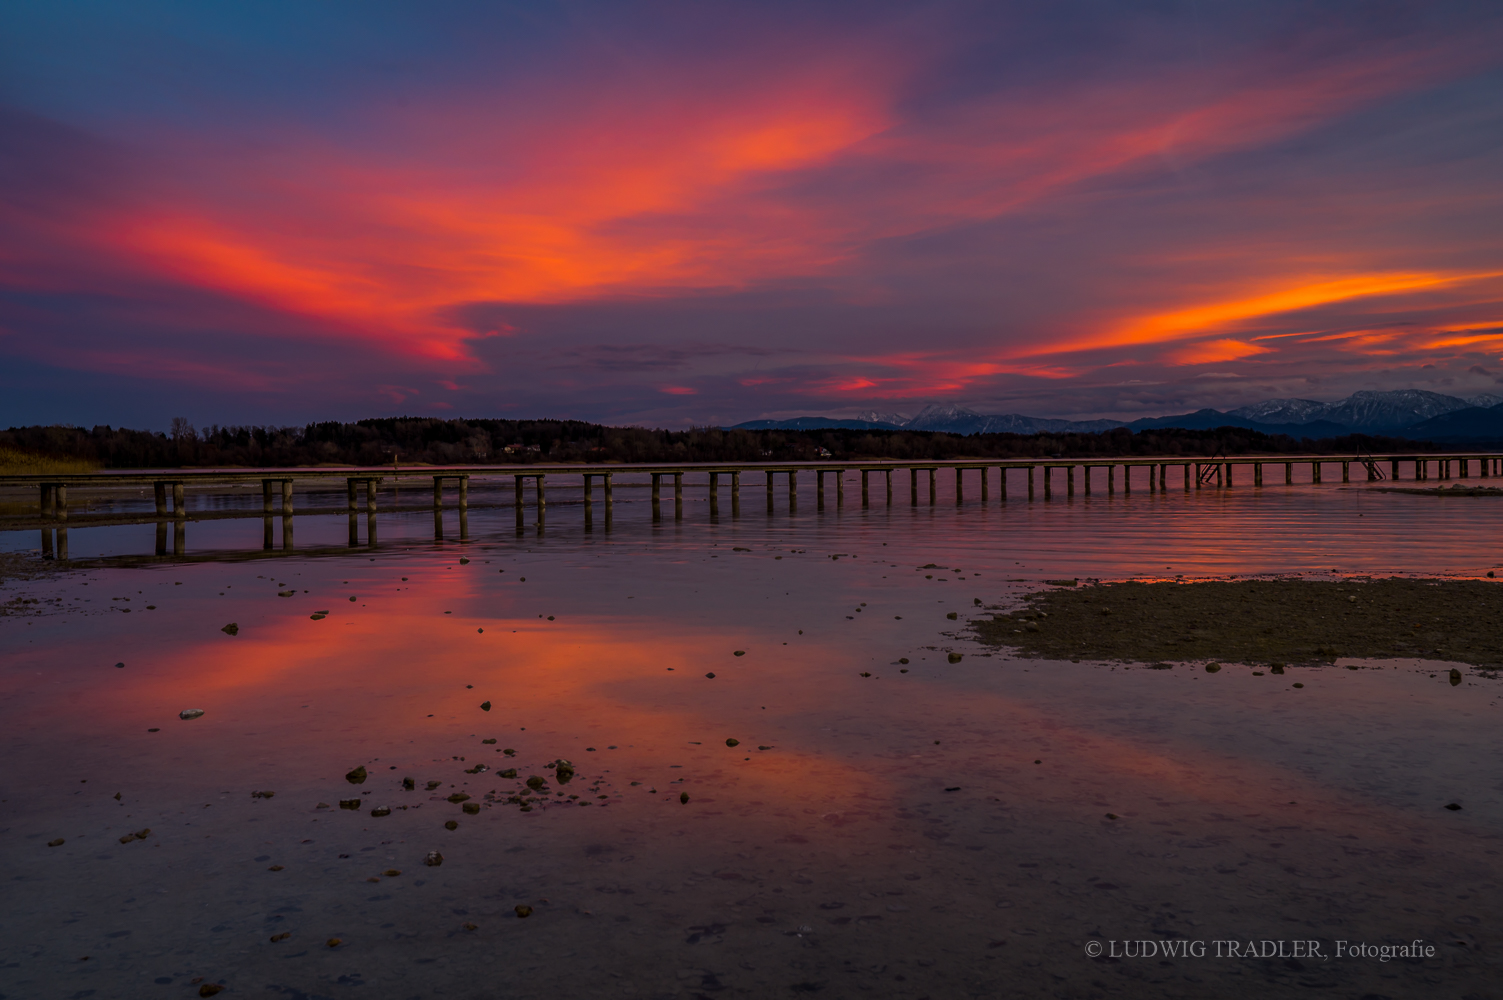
pixel 1257 622
pixel 414 441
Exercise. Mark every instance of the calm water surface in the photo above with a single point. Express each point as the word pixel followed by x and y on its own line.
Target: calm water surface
pixel 942 832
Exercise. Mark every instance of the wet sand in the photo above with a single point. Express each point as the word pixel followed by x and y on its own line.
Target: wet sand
pixel 1258 621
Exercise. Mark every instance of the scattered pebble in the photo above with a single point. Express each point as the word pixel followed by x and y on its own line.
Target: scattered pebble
pixel 349 803
pixel 711 675
pixel 381 811
pixel 357 776
pixel 451 825
pixel 231 629
pixel 471 808
pixel 524 911
pixel 732 742
pixel 433 784
pixel 55 843
pixel 1111 815
pixel 902 659
pixel 277 868
pixel 262 795
pixel 485 706
pixel 281 937
pixel 1212 668
pixel 1298 685
pixel 953 615
pixel 1455 677
pixel 334 942
pixel 469 926
pixel 458 797
pixel 119 666
pixel 408 784
pixel 1453 806
pixel 683 797
pixel 487 741
pixel 391 873
pixel 739 652
pixel 434 859
pixel 190 713
pixel 209 989
pixel 956 657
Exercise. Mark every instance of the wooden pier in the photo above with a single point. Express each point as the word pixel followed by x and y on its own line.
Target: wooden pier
pixel 1025 476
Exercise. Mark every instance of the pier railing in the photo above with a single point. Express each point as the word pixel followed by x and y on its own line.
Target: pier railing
pixel 1198 473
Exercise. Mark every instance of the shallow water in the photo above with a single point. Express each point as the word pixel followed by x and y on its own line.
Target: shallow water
pixel 942 832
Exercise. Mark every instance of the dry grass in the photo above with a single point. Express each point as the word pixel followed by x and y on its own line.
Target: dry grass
pixel 24 463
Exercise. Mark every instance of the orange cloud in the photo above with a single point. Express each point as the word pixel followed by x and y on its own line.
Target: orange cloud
pixel 1212 351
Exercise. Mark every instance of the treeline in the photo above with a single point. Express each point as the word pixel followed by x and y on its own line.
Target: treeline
pixel 421 440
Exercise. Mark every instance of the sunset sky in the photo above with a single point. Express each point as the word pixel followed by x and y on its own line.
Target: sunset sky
pixel 683 213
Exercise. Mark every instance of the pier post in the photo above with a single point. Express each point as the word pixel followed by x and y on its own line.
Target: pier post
pixel 678 496
pixel 1187 477
pixel 933 491
pixel 1288 473
pixel 1346 472
pixel 1394 471
pixel 1048 485
pixel 180 536
pixel 889 486
pixel 819 489
pixel 354 529
pixel 657 495
pixel 60 503
pixel 1069 481
pixel 1085 474
pixel 370 498
pixel 438 492
pixel 959 486
pixel 609 496
pixel 984 473
pixel 714 494
pixel 1482 466
pixel 865 494
pixel 519 503
pixel 1257 474
pixel 370 530
pixel 1030 482
pixel 839 488
pixel 542 501
pixel 62 542
pixel 913 486
pixel 1163 476
pixel 177 537
pixel 1466 467
pixel 792 490
pixel 735 494
pixel 160 489
pixel 1126 478
pixel 177 498
pixel 350 489
pixel 1111 479
pixel 769 492
pixel 589 490
pixel 1229 474
pixel 1315 472
pixel 464 524
pixel 46 543
pixel 464 492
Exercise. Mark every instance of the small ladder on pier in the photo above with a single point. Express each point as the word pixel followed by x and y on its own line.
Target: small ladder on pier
pixel 1207 471
pixel 1374 470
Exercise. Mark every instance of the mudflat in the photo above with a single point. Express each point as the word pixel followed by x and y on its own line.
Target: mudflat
pixel 1258 621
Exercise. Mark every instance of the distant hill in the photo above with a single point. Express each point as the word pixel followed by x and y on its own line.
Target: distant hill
pixel 1411 413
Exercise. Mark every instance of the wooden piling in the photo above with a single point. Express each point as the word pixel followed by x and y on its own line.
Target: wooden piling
pixel 714 494
pixel 1126 478
pixel 819 489
pixel 984 471
pixel 933 490
pixel 177 498
pixel 1187 477
pixel 839 488
pixel 519 502
pixel 438 492
pixel 1257 474
pixel 959 486
pixel 678 496
pixel 1111 479
pixel 62 542
pixel 735 494
pixel 657 495
pixel 792 490
pixel 464 492
pixel 1048 485
pixel 1346 472
pixel 1002 483
pixel 354 528
pixel 370 499
pixel 1288 473
pixel 1085 475
pixel 180 536
pixel 350 503
pixel 1069 482
pixel 60 502
pixel 865 494
pixel 913 486
pixel 159 488
pixel 610 498
pixel 542 500
pixel 769 492
pixel 1315 472
pixel 1030 482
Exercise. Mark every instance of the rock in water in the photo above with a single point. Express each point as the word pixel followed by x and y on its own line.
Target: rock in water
pixel 357 776
pixel 231 629
pixel 524 911
pixel 434 859
pixel 956 657
pixel 1455 677
pixel 732 742
pixel 683 797
pixel 471 808
pixel 55 843
pixel 563 772
pixel 485 706
pixel 190 713
pixel 1212 668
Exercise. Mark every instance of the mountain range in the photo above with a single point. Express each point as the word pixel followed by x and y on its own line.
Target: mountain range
pixel 1412 413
